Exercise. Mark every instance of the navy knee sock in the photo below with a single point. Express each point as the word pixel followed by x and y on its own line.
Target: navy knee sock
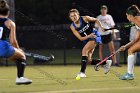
pixel 83 64
pixel 20 67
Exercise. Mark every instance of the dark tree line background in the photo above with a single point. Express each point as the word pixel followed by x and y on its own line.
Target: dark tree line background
pixel 56 11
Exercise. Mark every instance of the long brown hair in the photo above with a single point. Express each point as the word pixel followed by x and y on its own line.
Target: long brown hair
pixel 133 10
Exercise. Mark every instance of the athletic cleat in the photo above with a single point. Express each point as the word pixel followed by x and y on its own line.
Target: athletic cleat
pixel 127 76
pixel 23 81
pixel 81 74
pixel 107 66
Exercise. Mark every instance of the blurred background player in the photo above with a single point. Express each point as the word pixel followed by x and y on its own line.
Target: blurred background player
pixel 133 15
pixel 9 47
pixel 107 22
pixel 83 30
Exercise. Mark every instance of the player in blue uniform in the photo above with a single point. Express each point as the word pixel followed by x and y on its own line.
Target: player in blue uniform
pixel 9 47
pixel 83 30
pixel 133 15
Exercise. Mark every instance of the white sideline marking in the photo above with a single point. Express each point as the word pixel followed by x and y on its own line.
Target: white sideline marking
pixel 86 90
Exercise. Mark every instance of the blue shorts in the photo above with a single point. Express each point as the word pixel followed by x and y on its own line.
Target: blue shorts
pixel 6 49
pixel 97 39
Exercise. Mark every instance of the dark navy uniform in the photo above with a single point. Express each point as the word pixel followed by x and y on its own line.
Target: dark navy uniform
pixel 86 29
pixel 6 49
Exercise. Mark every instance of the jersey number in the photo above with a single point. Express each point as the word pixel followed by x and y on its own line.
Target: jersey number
pixel 1 32
pixel 85 33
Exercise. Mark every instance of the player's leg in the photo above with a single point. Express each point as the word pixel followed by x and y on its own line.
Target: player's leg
pixel 91 61
pixel 85 51
pixel 112 49
pixel 19 54
pixel 101 51
pixel 131 60
pixel 90 53
pixel 20 61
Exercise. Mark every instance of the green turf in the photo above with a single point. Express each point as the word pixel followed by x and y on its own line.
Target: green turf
pixel 61 79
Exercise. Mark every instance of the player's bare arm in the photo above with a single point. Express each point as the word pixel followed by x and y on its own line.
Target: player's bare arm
pixel 92 19
pixel 13 39
pixel 79 36
pixel 132 42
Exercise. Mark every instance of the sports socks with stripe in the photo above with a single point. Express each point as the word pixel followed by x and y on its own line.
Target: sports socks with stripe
pixel 20 67
pixel 83 64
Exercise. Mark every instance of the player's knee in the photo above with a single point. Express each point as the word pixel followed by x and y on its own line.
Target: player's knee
pixel 130 52
pixel 89 52
pixel 20 62
pixel 85 52
pixel 23 57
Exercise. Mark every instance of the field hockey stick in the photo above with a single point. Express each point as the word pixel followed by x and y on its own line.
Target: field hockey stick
pixel 41 57
pixel 38 56
pixel 118 27
pixel 110 29
pixel 105 59
pixel 115 27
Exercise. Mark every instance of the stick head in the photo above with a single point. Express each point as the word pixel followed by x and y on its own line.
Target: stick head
pixel 96 67
pixel 51 57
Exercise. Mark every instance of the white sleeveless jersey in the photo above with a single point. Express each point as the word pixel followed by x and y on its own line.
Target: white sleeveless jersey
pixel 133 32
pixel 138 28
pixel 107 22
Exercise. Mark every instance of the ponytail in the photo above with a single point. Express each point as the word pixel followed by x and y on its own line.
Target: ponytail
pixel 133 10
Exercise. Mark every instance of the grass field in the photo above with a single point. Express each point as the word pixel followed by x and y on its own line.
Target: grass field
pixel 61 79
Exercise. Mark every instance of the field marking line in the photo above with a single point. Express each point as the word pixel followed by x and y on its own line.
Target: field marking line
pixel 86 90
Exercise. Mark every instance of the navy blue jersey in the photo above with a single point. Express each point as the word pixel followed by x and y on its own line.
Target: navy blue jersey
pixel 84 29
pixel 6 49
pixel 4 31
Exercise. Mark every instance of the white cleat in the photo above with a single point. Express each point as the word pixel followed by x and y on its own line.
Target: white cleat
pixel 23 81
pixel 107 66
pixel 81 74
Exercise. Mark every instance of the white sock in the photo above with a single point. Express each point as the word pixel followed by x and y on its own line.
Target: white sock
pixel 131 61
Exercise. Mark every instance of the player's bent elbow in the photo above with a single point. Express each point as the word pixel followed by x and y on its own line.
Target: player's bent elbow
pixel 13 42
pixel 96 19
pixel 81 39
